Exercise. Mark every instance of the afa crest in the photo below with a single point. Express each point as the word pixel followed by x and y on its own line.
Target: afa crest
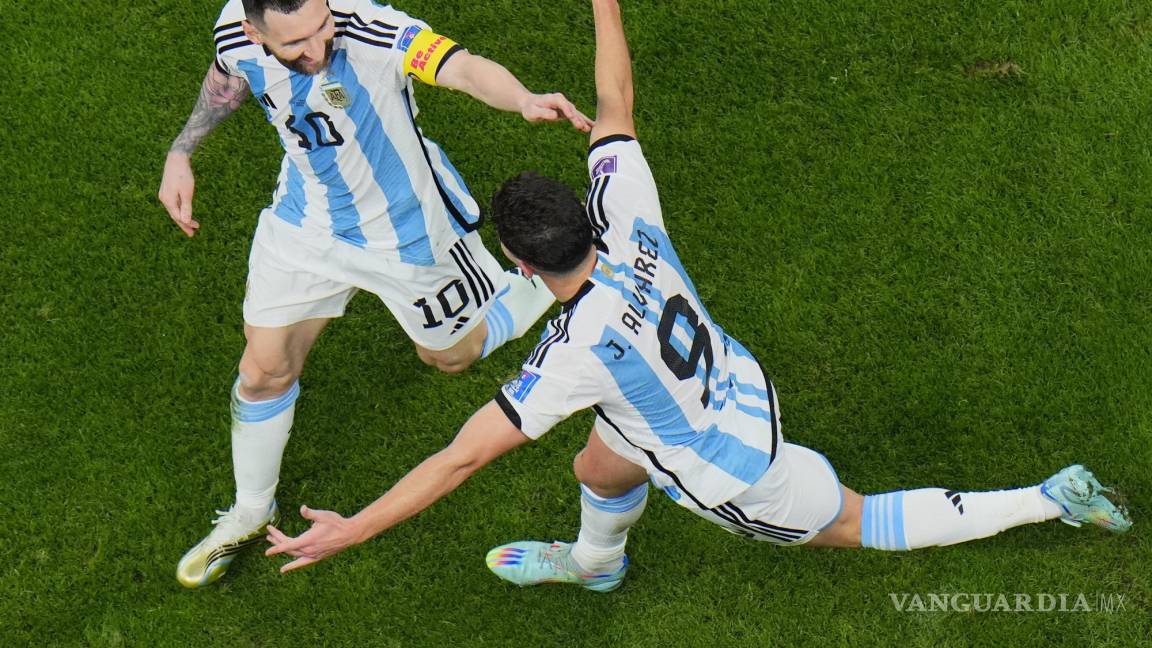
pixel 336 95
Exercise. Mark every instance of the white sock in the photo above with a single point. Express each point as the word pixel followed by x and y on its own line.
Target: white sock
pixel 604 524
pixel 936 517
pixel 259 433
pixel 517 308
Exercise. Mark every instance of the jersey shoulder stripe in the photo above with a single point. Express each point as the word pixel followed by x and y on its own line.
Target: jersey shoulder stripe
pixel 229 45
pixel 559 335
pixel 226 38
pixel 375 32
pixel 350 32
pixel 227 27
pixel 359 20
pixel 595 208
pixel 560 327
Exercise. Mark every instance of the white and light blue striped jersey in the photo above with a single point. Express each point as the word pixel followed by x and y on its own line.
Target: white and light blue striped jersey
pixel 671 390
pixel 356 167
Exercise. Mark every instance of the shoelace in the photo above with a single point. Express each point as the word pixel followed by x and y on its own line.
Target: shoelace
pixel 562 561
pixel 228 524
pixel 1087 491
pixel 556 557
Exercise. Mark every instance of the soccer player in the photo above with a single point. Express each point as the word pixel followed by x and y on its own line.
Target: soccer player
pixel 363 201
pixel 678 401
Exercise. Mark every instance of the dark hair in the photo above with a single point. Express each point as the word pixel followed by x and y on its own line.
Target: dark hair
pixel 254 9
pixel 541 221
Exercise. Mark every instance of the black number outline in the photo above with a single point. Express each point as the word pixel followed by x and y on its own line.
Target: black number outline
pixel 681 367
pixel 431 321
pixel 321 139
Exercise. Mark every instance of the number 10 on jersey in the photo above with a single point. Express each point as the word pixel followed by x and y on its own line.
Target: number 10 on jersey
pixel 323 131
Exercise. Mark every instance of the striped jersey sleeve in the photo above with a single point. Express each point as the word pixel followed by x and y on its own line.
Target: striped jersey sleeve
pixel 555 381
pixel 622 190
pixel 419 52
pixel 229 40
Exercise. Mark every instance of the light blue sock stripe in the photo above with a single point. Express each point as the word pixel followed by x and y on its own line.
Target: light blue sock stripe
pixel 499 322
pixel 247 412
pixel 621 504
pixel 882 522
pixel 889 531
pixel 868 522
pixel 505 317
pixel 898 521
pixel 877 521
pixel 878 525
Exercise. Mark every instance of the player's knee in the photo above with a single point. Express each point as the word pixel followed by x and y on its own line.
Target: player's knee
pixel 580 469
pixel 451 361
pixel 263 378
pixel 585 470
pixel 602 483
pixel 426 356
pixel 454 365
pixel 846 529
pixel 851 518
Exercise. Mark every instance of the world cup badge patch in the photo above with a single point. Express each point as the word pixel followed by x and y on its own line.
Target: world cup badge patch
pixel 336 95
pixel 406 38
pixel 522 385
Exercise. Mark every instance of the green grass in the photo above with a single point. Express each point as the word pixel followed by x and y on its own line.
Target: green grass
pixel 944 267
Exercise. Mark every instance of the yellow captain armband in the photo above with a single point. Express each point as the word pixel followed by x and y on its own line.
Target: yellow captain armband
pixel 424 52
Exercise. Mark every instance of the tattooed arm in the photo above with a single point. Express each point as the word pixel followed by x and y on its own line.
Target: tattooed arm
pixel 220 96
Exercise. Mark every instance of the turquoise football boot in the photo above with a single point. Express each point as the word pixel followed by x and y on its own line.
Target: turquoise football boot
pixel 533 563
pixel 1084 499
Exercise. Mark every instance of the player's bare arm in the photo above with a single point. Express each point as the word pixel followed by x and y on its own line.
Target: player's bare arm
pixel 220 96
pixel 613 73
pixel 494 85
pixel 486 436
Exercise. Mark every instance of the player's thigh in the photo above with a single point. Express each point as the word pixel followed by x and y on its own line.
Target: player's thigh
pixel 291 279
pixel 798 498
pixel 439 306
pixel 604 471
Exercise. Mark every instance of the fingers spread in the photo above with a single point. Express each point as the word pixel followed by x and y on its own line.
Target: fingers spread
pixel 297 564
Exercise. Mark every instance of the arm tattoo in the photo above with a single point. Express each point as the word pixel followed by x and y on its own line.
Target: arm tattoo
pixel 220 96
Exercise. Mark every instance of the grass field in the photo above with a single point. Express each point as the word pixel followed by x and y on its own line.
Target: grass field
pixel 930 220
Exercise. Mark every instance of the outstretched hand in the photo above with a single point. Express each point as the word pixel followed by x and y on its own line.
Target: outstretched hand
pixel 554 107
pixel 330 534
pixel 176 188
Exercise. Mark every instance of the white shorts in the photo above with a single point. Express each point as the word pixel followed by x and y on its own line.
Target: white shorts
pixel 797 498
pixel 292 278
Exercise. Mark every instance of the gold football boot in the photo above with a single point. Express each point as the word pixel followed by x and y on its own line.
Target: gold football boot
pixel 209 559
